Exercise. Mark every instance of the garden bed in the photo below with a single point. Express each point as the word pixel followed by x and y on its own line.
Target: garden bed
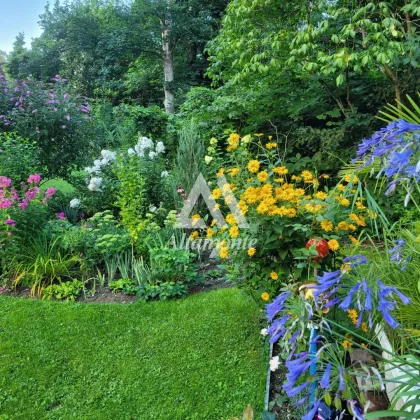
pixel 196 358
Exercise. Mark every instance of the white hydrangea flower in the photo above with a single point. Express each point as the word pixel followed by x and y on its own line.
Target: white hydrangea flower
pixel 131 151
pixel 264 332
pixel 109 155
pixel 95 184
pixel 160 147
pixel 138 149
pixel 152 155
pixel 75 203
pixel 164 174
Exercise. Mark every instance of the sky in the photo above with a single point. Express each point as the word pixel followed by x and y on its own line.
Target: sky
pixel 19 16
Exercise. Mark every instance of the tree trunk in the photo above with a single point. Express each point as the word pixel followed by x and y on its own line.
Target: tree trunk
pixel 393 76
pixel 168 64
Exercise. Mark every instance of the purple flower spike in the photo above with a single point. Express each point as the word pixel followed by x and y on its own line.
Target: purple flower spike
pixel 325 381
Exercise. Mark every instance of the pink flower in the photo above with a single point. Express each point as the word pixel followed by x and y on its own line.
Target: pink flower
pixel 68 117
pixel 61 215
pixel 5 182
pixel 30 194
pixel 10 222
pixel 50 192
pixel 5 203
pixel 9 233
pixel 24 204
pixel 34 179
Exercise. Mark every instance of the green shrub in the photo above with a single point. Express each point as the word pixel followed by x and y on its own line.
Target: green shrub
pixel 18 157
pixel 69 290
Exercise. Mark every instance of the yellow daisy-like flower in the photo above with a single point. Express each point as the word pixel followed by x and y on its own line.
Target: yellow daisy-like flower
pixel 221 172
pixel 341 187
pixel 345 202
pixel 234 231
pixel 333 245
pixel 265 296
pixel 246 139
pixel 364 327
pixel 234 171
pixel 296 178
pixel 353 240
pixel 258 135
pixel 194 235
pixel 347 344
pixel 343 226
pixel 307 175
pixel 351 177
pixel 251 252
pixel 234 139
pixel 271 145
pixel 210 233
pixel 320 195
pixel 274 275
pixel 195 219
pixel 230 219
pixel 216 193
pixel 353 315
pixel 224 252
pixel 262 176
pixel 282 170
pixel 327 225
pixel 253 166
pixel 213 222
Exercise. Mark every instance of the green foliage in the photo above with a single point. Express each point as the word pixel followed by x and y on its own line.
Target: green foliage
pixel 172 265
pixel 131 199
pixel 120 285
pixel 18 157
pixel 189 161
pixel 40 263
pixel 162 291
pixel 57 121
pixel 214 347
pixel 69 290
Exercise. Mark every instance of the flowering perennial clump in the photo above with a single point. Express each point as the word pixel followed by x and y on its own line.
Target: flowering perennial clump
pixel 12 201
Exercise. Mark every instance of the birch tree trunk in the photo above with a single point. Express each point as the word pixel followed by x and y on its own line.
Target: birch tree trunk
pixel 168 65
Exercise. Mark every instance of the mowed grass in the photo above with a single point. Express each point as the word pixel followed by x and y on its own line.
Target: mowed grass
pixel 196 358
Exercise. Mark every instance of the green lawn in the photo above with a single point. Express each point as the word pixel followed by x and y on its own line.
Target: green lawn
pixel 197 358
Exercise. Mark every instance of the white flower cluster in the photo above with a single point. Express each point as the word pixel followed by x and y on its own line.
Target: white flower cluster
pixel 107 157
pixel 75 203
pixel 146 147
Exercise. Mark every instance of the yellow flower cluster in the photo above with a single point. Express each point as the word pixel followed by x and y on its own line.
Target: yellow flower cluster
pixel 233 141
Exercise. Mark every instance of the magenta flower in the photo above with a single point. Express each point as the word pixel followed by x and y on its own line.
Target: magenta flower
pixel 5 182
pixel 10 222
pixel 34 179
pixel 5 203
pixel 61 215
pixel 50 192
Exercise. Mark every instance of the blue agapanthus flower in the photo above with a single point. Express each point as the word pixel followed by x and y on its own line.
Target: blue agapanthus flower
pixel 395 150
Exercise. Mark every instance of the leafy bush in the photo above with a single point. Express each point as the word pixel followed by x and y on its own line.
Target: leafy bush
pixel 18 157
pixel 56 121
pixel 69 290
pixel 284 210
pixel 162 291
pixel 42 262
